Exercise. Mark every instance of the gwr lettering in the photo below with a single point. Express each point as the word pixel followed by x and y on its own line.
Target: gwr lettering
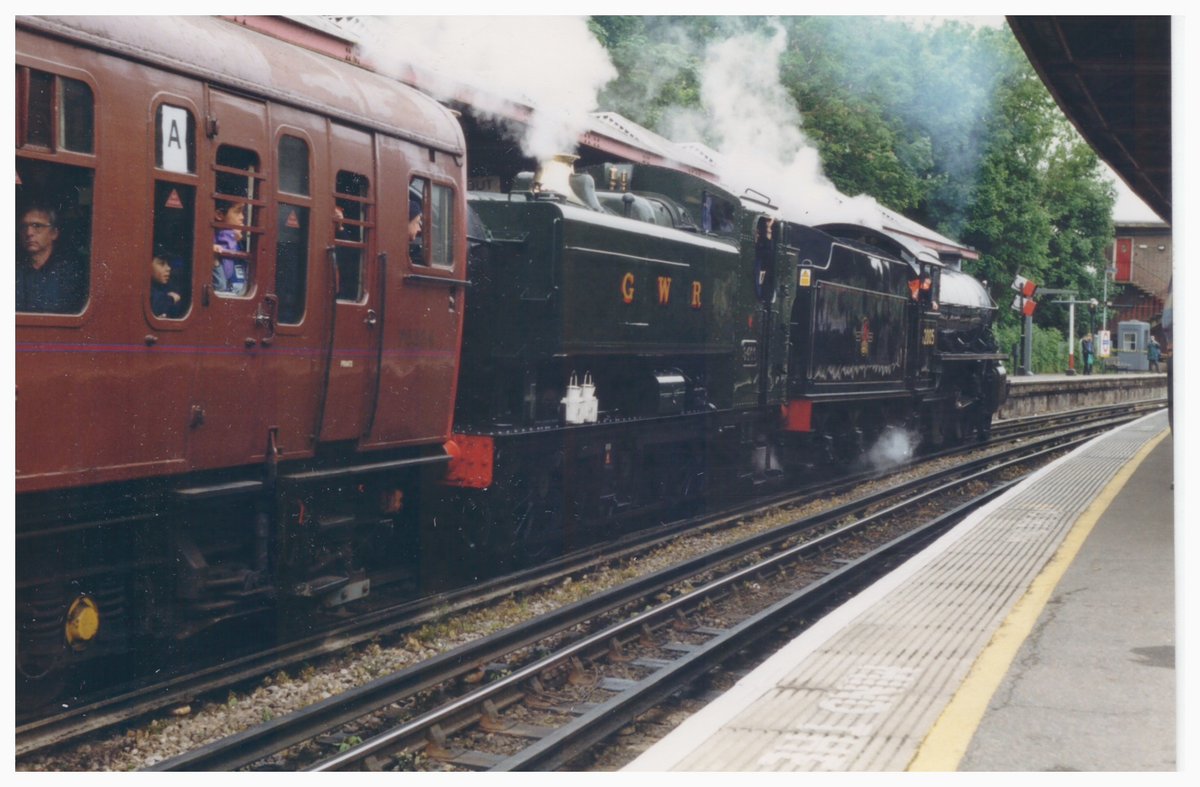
pixel 664 290
pixel 628 291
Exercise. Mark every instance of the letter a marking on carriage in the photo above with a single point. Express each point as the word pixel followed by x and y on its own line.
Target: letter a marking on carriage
pixel 174 139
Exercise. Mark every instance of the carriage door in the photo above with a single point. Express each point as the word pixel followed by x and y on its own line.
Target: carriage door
pixel 353 356
pixel 234 319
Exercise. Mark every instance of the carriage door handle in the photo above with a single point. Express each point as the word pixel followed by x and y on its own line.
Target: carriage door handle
pixel 264 317
pixel 371 318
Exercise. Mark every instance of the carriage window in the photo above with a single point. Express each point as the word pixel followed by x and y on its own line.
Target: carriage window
pixel 76 111
pixel 54 112
pixel 293 165
pixel 430 223
pixel 175 140
pixel 171 260
pixel 291 245
pixel 351 221
pixel 236 220
pixel 442 230
pixel 418 193
pixel 54 231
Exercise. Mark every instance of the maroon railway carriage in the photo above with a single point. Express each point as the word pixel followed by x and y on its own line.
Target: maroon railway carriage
pixel 251 425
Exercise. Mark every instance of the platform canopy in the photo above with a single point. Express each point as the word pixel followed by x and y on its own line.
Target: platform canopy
pixel 1111 75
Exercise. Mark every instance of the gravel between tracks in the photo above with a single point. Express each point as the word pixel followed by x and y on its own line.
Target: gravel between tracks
pixel 184 728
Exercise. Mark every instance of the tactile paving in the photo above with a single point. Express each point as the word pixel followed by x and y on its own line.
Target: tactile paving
pixel 860 690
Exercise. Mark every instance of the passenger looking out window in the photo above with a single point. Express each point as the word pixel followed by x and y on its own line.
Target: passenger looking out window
pixel 430 223
pixel 229 270
pixel 174 231
pixel 47 279
pixel 414 218
pixel 236 220
pixel 165 298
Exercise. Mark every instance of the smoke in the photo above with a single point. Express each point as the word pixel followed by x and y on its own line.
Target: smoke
pixel 552 64
pixel 748 116
pixel 752 121
pixel 894 447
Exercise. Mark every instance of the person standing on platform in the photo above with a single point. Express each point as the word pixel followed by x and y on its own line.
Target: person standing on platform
pixel 1154 354
pixel 1085 344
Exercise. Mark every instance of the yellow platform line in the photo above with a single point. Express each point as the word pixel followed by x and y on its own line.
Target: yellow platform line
pixel 947 741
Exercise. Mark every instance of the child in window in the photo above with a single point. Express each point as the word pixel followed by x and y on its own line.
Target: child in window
pixel 229 273
pixel 164 300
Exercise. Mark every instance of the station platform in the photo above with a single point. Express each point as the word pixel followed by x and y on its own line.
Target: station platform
pixel 1036 394
pixel 1036 635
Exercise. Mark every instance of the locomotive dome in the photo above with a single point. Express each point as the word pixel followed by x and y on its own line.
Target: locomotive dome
pixel 961 289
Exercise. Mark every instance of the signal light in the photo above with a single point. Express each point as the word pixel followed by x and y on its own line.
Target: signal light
pixel 1027 287
pixel 1024 302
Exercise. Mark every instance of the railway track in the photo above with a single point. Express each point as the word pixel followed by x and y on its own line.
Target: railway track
pixel 455 666
pixel 562 726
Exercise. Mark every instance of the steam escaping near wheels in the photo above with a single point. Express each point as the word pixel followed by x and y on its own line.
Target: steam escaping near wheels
pixel 895 446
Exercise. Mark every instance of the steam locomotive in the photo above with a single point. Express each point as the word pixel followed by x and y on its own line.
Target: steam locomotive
pixel 658 345
pixel 625 344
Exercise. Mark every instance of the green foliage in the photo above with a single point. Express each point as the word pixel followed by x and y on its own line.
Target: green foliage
pixel 1049 348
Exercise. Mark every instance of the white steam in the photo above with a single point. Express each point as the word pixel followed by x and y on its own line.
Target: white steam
pixel 894 447
pixel 552 64
pixel 754 123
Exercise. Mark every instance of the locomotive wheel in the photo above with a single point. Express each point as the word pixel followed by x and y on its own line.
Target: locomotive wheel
pixel 685 482
pixel 951 424
pixel 537 514
pixel 42 678
pixel 39 683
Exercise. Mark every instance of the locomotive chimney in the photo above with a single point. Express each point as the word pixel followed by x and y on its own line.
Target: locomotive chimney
pixel 554 175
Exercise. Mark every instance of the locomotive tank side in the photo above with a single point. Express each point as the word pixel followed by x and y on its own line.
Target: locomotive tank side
pixel 570 290
pixel 851 319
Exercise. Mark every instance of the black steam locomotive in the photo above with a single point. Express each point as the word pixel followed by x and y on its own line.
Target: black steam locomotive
pixel 639 342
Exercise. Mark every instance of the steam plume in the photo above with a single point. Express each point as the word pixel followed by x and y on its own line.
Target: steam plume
pixel 552 64
pixel 750 117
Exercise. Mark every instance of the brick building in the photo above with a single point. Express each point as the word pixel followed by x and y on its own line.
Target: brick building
pixel 1142 257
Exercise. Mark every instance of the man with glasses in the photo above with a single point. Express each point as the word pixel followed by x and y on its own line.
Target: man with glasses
pixel 46 282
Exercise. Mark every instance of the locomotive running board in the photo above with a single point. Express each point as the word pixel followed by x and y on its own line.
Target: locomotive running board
pixel 250 487
pixel 373 467
pixel 217 490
